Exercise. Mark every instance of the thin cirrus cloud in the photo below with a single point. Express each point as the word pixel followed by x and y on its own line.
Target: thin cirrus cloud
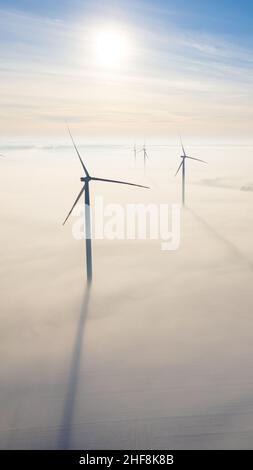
pixel 172 78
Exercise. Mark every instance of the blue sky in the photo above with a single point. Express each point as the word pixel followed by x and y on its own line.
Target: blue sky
pixel 223 16
pixel 189 65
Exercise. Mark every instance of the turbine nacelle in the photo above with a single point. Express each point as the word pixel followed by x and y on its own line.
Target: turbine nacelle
pixel 85 179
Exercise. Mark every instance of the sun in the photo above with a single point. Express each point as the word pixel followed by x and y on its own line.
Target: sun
pixel 111 47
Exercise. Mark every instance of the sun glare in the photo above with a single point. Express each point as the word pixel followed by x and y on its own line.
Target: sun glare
pixel 111 47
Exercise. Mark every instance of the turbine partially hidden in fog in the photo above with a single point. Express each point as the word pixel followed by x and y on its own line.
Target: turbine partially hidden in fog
pixel 135 155
pixel 145 157
pixel 86 190
pixel 182 164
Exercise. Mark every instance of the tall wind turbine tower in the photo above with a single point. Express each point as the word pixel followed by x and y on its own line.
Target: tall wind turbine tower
pixel 182 164
pixel 86 179
pixel 135 154
pixel 145 157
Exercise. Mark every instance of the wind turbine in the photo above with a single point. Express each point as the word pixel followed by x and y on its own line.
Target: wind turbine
pixel 145 157
pixel 86 190
pixel 135 153
pixel 182 164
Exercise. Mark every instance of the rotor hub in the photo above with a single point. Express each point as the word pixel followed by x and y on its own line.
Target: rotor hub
pixel 85 179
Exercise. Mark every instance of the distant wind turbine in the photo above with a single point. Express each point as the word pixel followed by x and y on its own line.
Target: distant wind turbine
pixel 145 157
pixel 85 189
pixel 135 153
pixel 182 164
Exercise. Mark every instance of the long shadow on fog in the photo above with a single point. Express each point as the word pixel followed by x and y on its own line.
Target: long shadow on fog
pixel 72 386
pixel 233 248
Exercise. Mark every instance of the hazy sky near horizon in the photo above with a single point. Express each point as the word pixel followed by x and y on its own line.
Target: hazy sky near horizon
pixel 177 65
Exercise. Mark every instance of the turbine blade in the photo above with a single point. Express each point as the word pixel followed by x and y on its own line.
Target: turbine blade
pixel 119 182
pixel 182 146
pixel 197 159
pixel 77 151
pixel 179 168
pixel 76 201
